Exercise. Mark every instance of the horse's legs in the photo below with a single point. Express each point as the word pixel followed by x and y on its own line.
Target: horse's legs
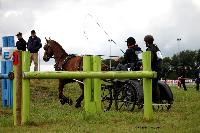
pixel 63 99
pixel 80 99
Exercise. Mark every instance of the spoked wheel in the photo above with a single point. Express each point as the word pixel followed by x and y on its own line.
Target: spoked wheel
pixel 106 97
pixel 125 98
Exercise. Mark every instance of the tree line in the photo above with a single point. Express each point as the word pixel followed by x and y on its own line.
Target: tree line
pixel 189 59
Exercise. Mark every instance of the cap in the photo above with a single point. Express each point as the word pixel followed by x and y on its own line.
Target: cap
pixel 33 32
pixel 131 40
pixel 149 38
pixel 19 34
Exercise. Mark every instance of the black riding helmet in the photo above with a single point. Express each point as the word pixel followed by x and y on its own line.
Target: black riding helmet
pixel 149 39
pixel 130 41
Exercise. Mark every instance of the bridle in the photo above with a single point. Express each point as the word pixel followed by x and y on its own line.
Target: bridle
pixel 47 55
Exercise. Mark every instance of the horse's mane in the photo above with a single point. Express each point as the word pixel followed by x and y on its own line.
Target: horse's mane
pixel 58 49
pixel 59 52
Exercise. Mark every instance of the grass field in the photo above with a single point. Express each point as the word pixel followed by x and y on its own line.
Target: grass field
pixel 48 115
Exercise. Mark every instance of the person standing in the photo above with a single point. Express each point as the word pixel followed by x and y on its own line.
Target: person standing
pixel 197 79
pixel 21 43
pixel 156 62
pixel 183 77
pixel 34 44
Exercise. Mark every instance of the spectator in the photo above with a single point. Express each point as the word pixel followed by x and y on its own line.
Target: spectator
pixel 21 43
pixel 197 79
pixel 183 77
pixel 34 44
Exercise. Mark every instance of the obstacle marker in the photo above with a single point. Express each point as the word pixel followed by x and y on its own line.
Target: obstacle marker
pixel 6 68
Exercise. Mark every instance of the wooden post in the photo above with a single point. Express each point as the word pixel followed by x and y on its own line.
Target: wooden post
pixel 14 94
pixel 18 81
pixel 25 88
pixel 147 87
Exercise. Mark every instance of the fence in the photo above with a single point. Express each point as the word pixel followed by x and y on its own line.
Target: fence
pixel 92 76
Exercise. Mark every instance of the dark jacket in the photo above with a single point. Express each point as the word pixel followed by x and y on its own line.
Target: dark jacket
pixel 155 62
pixel 130 56
pixel 21 44
pixel 34 44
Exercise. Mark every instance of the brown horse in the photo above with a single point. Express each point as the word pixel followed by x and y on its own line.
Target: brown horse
pixel 65 62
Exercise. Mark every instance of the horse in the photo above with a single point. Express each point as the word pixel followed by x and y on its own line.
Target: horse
pixel 65 62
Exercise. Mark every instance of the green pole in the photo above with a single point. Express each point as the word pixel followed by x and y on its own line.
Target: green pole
pixel 14 95
pixel 89 74
pixel 87 83
pixel 97 83
pixel 147 87
pixel 25 88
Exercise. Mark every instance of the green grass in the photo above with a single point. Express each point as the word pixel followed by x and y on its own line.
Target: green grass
pixel 48 115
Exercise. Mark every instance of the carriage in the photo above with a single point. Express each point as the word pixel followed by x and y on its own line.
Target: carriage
pixel 127 94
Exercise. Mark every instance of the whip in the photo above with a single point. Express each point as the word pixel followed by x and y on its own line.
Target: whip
pixel 101 27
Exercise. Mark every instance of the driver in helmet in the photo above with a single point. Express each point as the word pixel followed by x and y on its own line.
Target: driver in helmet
pixel 130 56
pixel 156 61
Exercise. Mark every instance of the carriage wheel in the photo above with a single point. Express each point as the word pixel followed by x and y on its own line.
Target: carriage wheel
pixel 106 97
pixel 125 98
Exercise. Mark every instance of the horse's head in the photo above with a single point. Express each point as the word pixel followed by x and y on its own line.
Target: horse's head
pixel 48 50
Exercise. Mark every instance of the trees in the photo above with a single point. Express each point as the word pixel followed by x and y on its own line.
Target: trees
pixel 198 57
pixel 188 59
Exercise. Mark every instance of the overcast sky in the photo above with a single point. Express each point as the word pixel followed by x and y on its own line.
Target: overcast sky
pixel 66 21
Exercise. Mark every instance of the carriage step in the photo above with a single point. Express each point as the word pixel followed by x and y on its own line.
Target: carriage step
pixel 166 104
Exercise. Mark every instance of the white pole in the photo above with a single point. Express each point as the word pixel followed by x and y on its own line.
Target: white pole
pixel 110 57
pixel 179 50
pixel 39 61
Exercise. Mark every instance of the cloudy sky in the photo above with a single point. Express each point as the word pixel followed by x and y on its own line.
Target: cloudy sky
pixel 66 21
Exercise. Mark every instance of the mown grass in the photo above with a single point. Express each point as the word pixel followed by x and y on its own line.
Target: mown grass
pixel 48 115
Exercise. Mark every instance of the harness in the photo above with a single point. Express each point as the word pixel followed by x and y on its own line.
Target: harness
pixel 59 65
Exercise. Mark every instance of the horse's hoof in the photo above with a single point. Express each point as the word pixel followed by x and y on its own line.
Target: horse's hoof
pixel 62 101
pixel 78 105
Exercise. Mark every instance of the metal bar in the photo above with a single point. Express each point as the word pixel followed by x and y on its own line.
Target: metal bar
pixel 10 76
pixel 25 88
pixel 4 76
pixel 164 104
pixel 89 74
pixel 147 87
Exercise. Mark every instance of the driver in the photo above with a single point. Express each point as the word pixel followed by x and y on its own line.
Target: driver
pixel 156 61
pixel 130 56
